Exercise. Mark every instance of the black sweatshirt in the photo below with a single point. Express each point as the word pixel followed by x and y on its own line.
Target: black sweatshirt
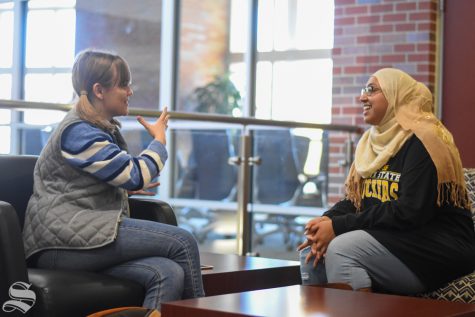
pixel 399 210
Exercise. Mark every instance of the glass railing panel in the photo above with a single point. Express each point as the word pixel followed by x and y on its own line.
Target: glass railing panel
pixel 290 185
pixel 203 187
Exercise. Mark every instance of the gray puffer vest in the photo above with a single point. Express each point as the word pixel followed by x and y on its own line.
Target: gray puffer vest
pixel 70 208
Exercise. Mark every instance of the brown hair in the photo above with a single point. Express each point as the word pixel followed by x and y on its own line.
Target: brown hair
pixel 91 67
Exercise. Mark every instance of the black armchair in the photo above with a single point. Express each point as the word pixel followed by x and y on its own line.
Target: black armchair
pixel 58 293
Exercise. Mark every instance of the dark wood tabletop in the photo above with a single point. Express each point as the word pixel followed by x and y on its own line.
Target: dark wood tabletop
pixel 297 300
pixel 233 273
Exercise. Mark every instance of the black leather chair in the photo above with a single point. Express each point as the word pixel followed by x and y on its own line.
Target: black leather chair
pixel 58 293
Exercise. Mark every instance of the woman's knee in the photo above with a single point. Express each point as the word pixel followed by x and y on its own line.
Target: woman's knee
pixel 185 235
pixel 162 271
pixel 346 244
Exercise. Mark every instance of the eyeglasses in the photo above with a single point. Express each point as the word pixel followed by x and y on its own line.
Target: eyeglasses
pixel 369 91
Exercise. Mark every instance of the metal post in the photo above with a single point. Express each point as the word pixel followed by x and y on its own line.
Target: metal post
pixel 243 235
pixel 168 79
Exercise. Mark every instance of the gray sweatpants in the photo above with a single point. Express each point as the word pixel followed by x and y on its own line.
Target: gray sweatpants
pixel 356 258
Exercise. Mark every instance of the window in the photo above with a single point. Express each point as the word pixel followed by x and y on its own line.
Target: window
pixel 48 59
pixel 294 67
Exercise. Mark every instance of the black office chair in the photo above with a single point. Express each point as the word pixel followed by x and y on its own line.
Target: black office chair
pixel 209 176
pixel 275 179
pixel 59 292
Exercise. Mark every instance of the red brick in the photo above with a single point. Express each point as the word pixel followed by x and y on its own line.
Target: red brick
pixel 367 59
pixel 428 5
pixel 335 111
pixel 374 68
pixel 338 31
pixel 418 57
pixel 406 6
pixel 344 21
pixel 426 47
pixel 368 19
pixel 406 27
pixel 337 70
pixel 336 51
pixel 368 39
pixel 356 10
pixel 382 28
pixel 338 11
pixel 427 27
pixel 426 68
pixel 404 48
pixel 335 139
pixel 399 58
pixel 352 110
pixel 420 16
pixel 381 8
pixel 394 38
pixel 334 170
pixel 396 17
pixel 355 70
pixel 334 159
pixel 334 148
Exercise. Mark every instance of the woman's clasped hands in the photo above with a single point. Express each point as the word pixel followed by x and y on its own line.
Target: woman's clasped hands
pixel 319 233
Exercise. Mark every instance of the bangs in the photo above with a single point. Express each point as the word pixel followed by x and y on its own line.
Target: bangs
pixel 123 77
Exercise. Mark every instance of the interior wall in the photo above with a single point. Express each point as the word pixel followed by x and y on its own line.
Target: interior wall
pixel 458 85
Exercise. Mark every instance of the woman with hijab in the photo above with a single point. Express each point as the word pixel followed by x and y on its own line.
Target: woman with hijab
pixel 404 226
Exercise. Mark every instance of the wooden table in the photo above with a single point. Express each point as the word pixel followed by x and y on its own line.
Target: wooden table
pixel 233 273
pixel 296 301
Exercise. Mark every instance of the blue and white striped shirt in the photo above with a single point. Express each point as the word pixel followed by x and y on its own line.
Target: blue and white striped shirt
pixel 92 150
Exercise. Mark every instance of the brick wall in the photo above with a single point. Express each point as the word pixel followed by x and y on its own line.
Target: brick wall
pixel 369 35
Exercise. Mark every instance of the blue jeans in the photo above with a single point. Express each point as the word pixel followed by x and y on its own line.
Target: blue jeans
pixel 163 258
pixel 358 259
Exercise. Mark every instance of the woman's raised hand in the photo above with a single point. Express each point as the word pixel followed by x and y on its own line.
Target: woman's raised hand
pixel 157 129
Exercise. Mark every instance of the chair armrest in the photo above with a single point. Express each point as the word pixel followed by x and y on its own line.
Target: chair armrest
pixel 12 253
pixel 154 210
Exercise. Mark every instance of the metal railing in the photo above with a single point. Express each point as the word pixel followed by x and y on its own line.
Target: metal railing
pixel 244 160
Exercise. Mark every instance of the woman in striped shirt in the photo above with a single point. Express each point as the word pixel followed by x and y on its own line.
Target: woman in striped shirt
pixel 78 215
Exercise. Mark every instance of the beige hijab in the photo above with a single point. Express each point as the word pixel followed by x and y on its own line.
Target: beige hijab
pixel 410 111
